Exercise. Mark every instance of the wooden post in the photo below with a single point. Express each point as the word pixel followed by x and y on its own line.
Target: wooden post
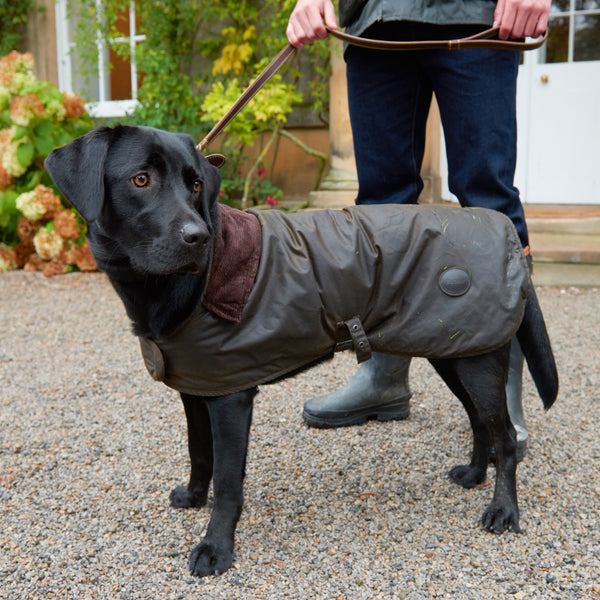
pixel 340 185
pixel 41 41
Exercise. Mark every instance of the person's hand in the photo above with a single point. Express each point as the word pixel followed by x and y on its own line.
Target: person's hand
pixel 521 18
pixel 307 22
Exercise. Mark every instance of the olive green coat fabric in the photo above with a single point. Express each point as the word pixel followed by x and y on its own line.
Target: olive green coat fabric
pixel 421 280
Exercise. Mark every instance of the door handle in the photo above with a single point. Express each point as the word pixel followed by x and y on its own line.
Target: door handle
pixel 544 78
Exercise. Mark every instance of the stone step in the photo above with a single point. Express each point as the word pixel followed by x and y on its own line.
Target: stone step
pixel 565 244
pixel 565 247
pixel 552 274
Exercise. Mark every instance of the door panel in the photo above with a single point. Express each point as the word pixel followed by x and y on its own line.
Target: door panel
pixel 558 104
pixel 558 111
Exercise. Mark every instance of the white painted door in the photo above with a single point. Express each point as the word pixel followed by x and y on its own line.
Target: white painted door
pixel 558 111
pixel 558 104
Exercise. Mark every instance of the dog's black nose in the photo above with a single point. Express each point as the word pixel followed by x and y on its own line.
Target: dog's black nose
pixel 194 234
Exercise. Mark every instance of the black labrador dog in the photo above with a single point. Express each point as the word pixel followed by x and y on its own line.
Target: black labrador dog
pixel 188 272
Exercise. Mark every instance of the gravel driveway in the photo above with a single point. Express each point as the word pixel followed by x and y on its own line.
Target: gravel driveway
pixel 90 447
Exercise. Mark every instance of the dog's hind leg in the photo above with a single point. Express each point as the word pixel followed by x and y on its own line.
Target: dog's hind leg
pixel 200 446
pixel 467 476
pixel 230 418
pixel 483 378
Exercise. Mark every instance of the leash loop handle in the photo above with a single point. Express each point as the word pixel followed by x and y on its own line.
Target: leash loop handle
pixel 478 40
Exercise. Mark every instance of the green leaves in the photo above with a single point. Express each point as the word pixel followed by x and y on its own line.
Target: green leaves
pixel 9 216
pixel 30 135
pixel 197 57
pixel 25 153
pixel 13 15
pixel 267 111
pixel 44 142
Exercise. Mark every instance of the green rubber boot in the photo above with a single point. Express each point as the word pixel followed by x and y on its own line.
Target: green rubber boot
pixel 514 403
pixel 379 390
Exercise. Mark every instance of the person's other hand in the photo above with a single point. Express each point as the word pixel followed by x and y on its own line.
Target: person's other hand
pixel 521 18
pixel 307 21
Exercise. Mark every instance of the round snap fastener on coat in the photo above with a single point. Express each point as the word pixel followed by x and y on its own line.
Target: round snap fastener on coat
pixel 455 281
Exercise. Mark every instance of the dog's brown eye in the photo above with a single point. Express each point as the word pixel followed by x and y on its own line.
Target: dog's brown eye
pixel 197 185
pixel 141 180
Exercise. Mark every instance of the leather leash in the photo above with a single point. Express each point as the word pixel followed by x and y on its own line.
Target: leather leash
pixel 479 40
pixel 247 95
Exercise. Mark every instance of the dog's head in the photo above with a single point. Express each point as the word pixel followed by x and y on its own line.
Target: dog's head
pixel 148 196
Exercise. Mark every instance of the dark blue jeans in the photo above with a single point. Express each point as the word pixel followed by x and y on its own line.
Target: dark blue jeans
pixel 389 97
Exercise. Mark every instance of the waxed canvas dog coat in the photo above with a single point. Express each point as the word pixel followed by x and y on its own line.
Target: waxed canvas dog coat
pixel 418 280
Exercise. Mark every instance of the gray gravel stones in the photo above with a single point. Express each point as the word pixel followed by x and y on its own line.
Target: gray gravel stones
pixel 90 447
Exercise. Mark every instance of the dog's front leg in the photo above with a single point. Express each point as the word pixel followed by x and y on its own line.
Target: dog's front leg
pixel 230 418
pixel 200 446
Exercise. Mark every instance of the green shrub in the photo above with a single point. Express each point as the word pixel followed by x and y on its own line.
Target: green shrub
pixel 13 18
pixel 37 229
pixel 197 58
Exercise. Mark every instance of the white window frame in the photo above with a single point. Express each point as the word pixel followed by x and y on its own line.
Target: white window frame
pixel 104 106
pixel 571 14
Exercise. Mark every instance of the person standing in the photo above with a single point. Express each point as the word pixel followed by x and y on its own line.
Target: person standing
pixel 389 96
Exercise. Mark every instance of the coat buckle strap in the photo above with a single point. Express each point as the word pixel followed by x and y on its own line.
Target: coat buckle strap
pixel 358 339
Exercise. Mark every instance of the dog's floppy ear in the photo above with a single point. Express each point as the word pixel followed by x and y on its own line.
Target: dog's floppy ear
pixel 216 160
pixel 77 169
pixel 210 192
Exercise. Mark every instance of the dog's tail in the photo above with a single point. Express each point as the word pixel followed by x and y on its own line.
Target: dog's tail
pixel 535 344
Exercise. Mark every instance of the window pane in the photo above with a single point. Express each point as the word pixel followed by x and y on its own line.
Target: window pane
pixel 557 46
pixel 587 4
pixel 120 74
pixel 587 37
pixel 560 6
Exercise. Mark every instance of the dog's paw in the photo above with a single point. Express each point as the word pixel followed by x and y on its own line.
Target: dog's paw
pixel 467 476
pixel 500 518
pixel 183 497
pixel 208 559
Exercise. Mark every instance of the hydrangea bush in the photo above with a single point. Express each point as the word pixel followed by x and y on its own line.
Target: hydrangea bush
pixel 38 230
